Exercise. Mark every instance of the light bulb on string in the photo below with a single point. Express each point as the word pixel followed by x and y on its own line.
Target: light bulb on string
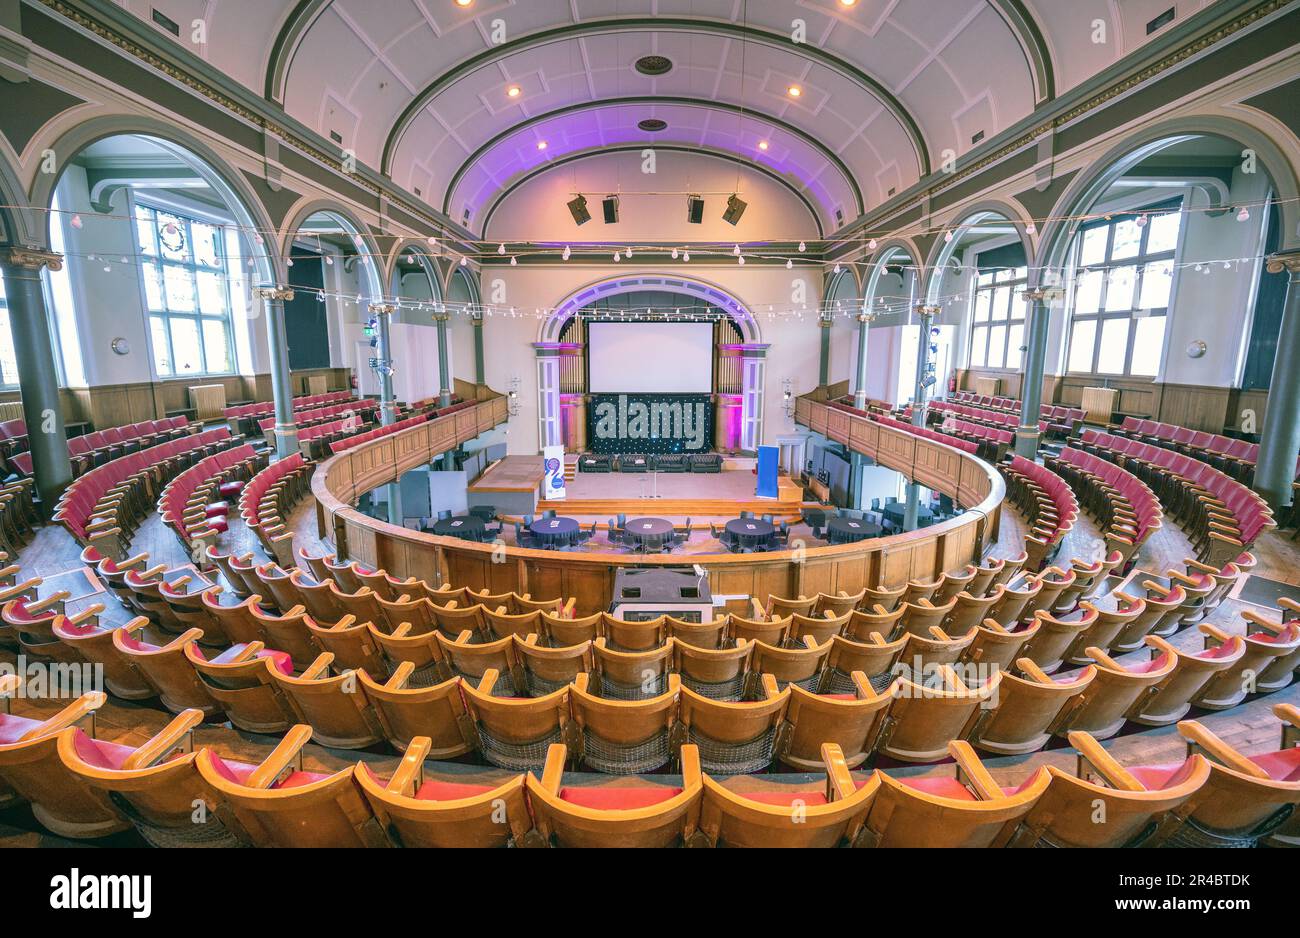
pixel 1031 228
pixel 735 250
pixel 628 253
pixel 1244 214
pixel 871 245
pixel 674 253
pixel 947 236
pixel 741 260
pixel 464 261
pixel 1141 221
pixel 514 262
pixel 789 264
pixel 617 257
pixel 802 247
pixel 686 257
pixel 501 248
pixel 567 253
pixel 77 222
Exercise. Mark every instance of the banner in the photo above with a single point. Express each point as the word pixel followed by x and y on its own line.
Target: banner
pixel 553 462
pixel 650 423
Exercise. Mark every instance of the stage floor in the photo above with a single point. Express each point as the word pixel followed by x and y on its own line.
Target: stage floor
pixel 737 485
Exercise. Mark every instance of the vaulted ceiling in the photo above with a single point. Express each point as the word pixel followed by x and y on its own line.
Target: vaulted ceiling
pixel 461 100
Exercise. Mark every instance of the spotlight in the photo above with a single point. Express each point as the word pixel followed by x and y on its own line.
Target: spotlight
pixel 694 210
pixel 578 209
pixel 762 144
pixel 610 205
pixel 541 144
pixel 513 91
pixel 794 91
pixel 735 208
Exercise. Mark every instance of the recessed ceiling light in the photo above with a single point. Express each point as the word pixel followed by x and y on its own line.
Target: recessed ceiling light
pixel 843 3
pixel 513 91
pixel 653 65
pixel 794 91
pixel 762 144
pixel 541 144
pixel 465 3
pixel 652 125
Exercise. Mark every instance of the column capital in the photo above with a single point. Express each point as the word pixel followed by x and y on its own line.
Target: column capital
pixel 1285 260
pixel 441 317
pixel 31 259
pixel 280 294
pixel 382 309
pixel 926 310
pixel 476 321
pixel 865 318
pixel 824 322
pixel 1042 294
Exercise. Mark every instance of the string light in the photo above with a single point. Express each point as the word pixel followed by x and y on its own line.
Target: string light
pixel 1243 214
pixel 567 253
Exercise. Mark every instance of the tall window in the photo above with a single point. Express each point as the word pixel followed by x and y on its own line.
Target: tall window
pixel 187 293
pixel 1124 275
pixel 998 328
pixel 8 361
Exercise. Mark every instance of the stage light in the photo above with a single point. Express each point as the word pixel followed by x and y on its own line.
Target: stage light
pixel 610 206
pixel 578 209
pixel 735 208
pixel 694 210
pixel 513 91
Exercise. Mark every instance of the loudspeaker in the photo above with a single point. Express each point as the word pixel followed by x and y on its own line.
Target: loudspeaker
pixel 610 205
pixel 735 208
pixel 694 210
pixel 578 209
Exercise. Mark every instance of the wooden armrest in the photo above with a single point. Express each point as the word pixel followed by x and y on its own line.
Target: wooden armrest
pixel 553 770
pixel 26 588
pixel 409 773
pixel 180 728
pixel 1029 667
pixel 397 680
pixel 287 753
pixel 488 681
pixel 52 601
pixel 769 685
pixel 839 783
pixel 72 714
pixel 974 772
pixel 1092 751
pixel 1200 737
pixel 319 667
pixel 1288 713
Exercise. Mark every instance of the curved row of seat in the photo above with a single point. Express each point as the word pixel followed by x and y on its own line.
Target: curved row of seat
pixel 1235 456
pixel 1225 515
pixel 359 411
pixel 948 439
pixel 103 507
pixel 80 786
pixel 267 500
pixel 195 503
pixel 1047 502
pixel 1127 511
pixel 338 446
pixel 992 443
pixel 1061 419
pixel 1008 420
pixel 99 446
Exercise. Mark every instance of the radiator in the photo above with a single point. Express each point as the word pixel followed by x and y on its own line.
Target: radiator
pixel 1099 404
pixel 317 384
pixel 11 410
pixel 208 400
pixel 988 387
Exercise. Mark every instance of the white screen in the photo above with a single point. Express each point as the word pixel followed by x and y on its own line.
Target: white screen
pixel 650 357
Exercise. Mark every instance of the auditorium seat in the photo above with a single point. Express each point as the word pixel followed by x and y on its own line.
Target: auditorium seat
pixel 406 711
pixel 514 732
pixel 1172 697
pixel 852 721
pixel 334 703
pixel 924 718
pixel 1026 707
pixel 239 680
pixel 1102 708
pixel 625 737
pixel 734 737
pixel 548 669
pixel 658 815
pixel 716 673
pixel 796 818
pixel 166 667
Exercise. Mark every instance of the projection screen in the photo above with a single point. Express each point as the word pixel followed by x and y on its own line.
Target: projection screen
pixel 650 357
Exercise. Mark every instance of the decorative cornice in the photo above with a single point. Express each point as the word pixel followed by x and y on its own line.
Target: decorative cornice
pixel 383 309
pixel 926 310
pixel 1043 294
pixel 275 294
pixel 29 259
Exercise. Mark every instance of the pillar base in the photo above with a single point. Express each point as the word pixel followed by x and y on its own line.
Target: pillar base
pixel 1027 442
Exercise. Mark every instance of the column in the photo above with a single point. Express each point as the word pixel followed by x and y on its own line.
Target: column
pixel 480 372
pixel 753 364
pixel 37 372
pixel 444 369
pixel 927 314
pixel 549 431
pixel 383 313
pixel 860 389
pixel 1039 301
pixel 286 429
pixel 1280 438
pixel 824 323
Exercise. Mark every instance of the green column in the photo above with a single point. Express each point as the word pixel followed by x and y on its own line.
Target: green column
pixel 444 370
pixel 480 372
pixel 286 430
pixel 1280 438
pixel 860 389
pixel 824 322
pixel 37 371
pixel 383 313
pixel 927 314
pixel 1031 391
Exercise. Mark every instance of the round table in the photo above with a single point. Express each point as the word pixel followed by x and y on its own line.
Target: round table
pixel 851 530
pixel 465 527
pixel 750 532
pixel 653 531
pixel 556 531
pixel 897 513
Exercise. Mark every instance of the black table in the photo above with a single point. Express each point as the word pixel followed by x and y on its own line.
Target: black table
pixel 465 527
pixel 560 532
pixel 851 530
pixel 897 514
pixel 648 531
pixel 750 532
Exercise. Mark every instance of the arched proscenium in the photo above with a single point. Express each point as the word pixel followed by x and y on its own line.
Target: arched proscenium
pixel 753 351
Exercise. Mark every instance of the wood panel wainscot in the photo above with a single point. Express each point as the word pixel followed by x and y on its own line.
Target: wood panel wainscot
pixel 589 577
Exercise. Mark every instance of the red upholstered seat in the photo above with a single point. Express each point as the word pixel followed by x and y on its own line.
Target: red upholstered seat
pixel 785 798
pixel 13 728
pixel 216 510
pixel 101 754
pixel 1155 777
pixel 218 524
pixel 1281 766
pixel 611 798
pixel 944 786
pixel 1146 667
pixel 434 790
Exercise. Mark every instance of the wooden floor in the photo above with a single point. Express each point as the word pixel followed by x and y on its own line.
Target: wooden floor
pixel 1250 727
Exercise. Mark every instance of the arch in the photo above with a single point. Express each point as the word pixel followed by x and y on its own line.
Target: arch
pixel 658 148
pixel 841 287
pixel 1089 186
pixel 830 157
pixel 420 251
pixel 369 252
pixel 249 212
pixel 943 250
pixel 710 293
pixel 1037 55
pixel 16 223
pixel 467 283
pixel 745 32
pixel 884 253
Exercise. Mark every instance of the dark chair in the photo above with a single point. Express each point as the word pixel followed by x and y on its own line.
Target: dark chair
pixel 444 515
pixel 615 532
pixel 486 512
pixel 770 519
pixel 682 535
pixel 746 515
pixel 548 514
